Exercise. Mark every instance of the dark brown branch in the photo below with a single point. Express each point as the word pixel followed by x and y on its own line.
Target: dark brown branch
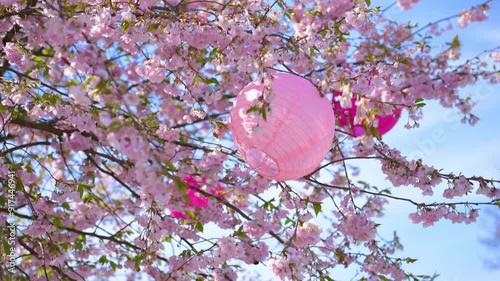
pixel 23 12
pixel 48 127
pixel 24 146
pixel 110 238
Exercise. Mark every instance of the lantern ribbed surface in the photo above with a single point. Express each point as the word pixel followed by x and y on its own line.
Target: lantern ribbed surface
pixel 296 135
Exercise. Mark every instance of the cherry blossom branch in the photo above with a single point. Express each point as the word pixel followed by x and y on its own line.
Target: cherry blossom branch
pixel 112 239
pixel 23 12
pixel 344 159
pixel 33 79
pixel 420 205
pixel 19 147
pixel 449 176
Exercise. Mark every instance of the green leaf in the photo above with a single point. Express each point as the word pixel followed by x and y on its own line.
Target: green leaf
pixel 382 277
pixel 103 259
pixel 57 222
pixel 113 265
pixel 126 24
pixel 240 233
pixel 374 111
pixel 316 207
pixel 6 247
pixel 137 261
pixel 169 165
pixel 80 190
pixel 115 126
pixel 410 260
pixel 48 51
pixel 280 5
pixel 419 102
pixel 212 81
pixel 405 61
pixel 198 226
pixel 182 185
pixel 40 271
pixel 455 43
pixel 201 60
pixel 197 79
pixel 264 113
pixel 66 246
pixel 3 201
pixel 268 205
pixel 253 109
pixel 153 26
pixel 190 213
pixel 71 9
pixel 368 2
pixel 54 249
pixel 311 52
pixel 214 51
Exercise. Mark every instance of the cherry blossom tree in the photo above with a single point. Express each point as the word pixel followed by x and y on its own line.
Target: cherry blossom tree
pixel 117 163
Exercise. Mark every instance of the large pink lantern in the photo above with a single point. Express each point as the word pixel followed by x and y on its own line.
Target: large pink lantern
pixel 296 134
pixel 346 116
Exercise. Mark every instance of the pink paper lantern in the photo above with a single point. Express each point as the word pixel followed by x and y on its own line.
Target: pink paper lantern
pixel 195 198
pixel 296 135
pixel 345 116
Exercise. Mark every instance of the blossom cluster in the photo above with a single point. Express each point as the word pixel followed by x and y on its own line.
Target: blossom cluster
pixel 306 235
pixel 429 215
pixel 357 226
pixel 400 171
pixel 477 13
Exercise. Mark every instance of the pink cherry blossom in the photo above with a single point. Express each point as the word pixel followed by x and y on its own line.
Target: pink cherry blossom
pixel 477 13
pixel 406 4
pixel 357 226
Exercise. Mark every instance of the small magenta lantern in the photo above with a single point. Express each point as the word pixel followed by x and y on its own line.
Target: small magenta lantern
pixel 195 198
pixel 345 116
pixel 296 134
